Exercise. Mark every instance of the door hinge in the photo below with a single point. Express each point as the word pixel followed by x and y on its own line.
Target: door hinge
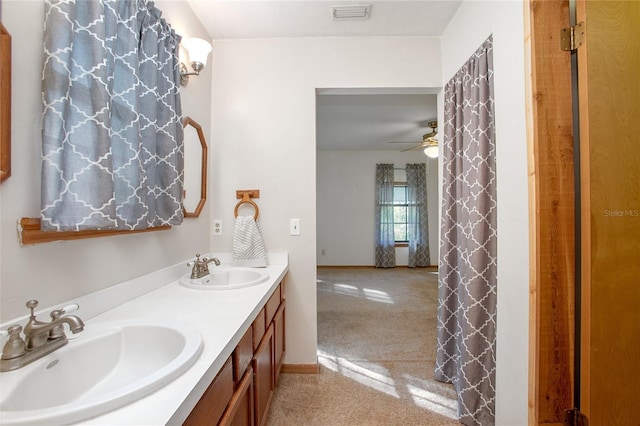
pixel 574 417
pixel 572 37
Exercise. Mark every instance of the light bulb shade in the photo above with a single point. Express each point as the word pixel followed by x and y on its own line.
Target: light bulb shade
pixel 431 151
pixel 198 50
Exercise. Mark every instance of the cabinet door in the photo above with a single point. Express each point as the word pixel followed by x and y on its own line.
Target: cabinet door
pixel 263 367
pixel 214 400
pixel 279 341
pixel 240 410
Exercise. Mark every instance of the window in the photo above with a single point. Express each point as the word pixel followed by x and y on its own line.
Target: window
pixel 400 213
pixel 400 205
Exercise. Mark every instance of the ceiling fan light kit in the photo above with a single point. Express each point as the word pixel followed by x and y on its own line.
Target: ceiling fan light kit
pixel 429 143
pixel 431 151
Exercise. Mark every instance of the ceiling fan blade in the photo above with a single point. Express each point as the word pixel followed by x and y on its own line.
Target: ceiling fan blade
pixel 428 139
pixel 414 148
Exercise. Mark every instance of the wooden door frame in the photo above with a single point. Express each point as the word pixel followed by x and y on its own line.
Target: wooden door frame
pixel 552 213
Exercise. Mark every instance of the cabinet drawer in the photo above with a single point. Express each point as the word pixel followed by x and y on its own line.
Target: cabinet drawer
pixel 211 406
pixel 259 327
pixel 282 287
pixel 242 355
pixel 272 305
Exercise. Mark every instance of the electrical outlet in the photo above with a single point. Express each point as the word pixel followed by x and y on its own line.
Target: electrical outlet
pixel 294 227
pixel 217 227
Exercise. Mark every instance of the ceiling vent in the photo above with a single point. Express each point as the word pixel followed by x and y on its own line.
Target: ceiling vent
pixel 350 12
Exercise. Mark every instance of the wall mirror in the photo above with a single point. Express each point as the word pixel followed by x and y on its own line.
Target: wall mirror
pixel 5 103
pixel 195 168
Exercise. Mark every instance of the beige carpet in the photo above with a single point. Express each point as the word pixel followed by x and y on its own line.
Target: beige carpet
pixel 376 349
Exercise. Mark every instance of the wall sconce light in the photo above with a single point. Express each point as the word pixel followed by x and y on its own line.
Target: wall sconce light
pixel 198 50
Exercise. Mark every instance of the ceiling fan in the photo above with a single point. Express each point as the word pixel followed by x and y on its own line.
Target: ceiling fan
pixel 428 143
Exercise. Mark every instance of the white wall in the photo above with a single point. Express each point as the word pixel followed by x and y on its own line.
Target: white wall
pixel 346 200
pixel 473 23
pixel 263 136
pixel 60 271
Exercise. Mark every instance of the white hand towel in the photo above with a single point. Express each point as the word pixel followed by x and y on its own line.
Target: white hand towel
pixel 248 245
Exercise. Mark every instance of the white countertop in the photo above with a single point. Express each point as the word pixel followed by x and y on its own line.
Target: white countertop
pixel 222 316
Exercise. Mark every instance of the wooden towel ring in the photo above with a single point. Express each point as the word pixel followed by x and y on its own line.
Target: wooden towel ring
pixel 246 199
pixel 255 206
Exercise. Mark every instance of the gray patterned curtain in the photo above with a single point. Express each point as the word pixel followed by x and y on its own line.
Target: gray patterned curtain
pixel 417 216
pixel 385 244
pixel 112 133
pixel 466 347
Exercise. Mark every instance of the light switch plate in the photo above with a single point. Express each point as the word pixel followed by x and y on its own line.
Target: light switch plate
pixel 294 227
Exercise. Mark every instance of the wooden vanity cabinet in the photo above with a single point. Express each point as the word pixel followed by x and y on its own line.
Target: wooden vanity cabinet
pixel 241 393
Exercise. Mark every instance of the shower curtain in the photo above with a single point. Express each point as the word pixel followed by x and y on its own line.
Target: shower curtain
pixel 466 346
pixel 385 243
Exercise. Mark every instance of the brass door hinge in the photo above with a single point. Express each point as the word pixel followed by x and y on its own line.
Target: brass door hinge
pixel 574 417
pixel 572 37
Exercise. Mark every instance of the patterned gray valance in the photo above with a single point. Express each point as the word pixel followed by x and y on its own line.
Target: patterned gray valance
pixel 112 134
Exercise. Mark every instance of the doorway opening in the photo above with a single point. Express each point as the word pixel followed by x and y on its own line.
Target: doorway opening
pixel 376 327
pixel 355 130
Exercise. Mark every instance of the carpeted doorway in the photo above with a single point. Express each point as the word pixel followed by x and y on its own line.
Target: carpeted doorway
pixel 376 349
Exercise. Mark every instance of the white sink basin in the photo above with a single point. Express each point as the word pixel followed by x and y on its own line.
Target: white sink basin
pixel 107 366
pixel 223 278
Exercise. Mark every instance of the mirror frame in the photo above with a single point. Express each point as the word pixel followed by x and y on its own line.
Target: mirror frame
pixel 188 121
pixel 5 103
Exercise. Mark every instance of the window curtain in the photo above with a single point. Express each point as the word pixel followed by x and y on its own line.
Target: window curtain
pixel 112 134
pixel 385 243
pixel 466 346
pixel 417 216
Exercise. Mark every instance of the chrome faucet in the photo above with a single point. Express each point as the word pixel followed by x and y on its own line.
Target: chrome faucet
pixel 201 267
pixel 40 338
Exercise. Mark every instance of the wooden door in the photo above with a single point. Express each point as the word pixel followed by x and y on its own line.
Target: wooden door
pixel 609 97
